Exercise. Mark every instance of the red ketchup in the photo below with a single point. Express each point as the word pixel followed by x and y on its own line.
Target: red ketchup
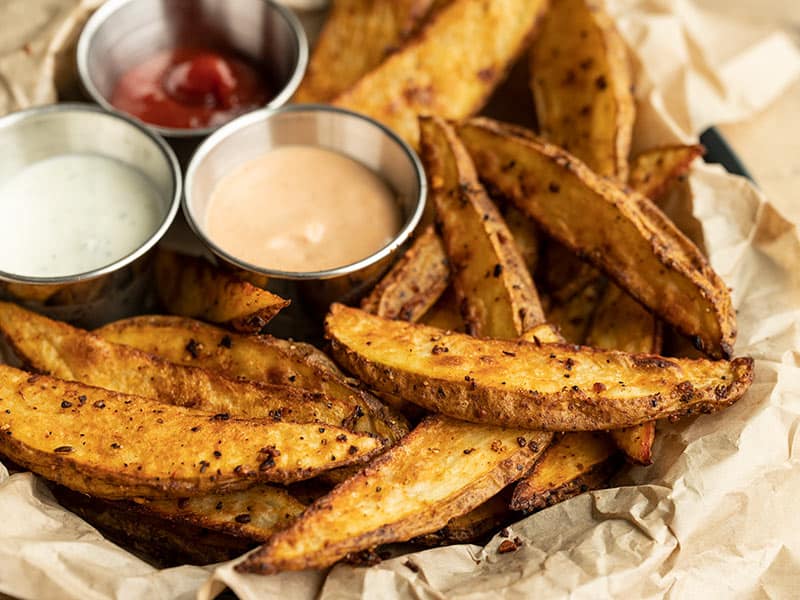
pixel 187 88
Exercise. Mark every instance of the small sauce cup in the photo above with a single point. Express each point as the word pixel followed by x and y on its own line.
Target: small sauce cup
pixel 122 34
pixel 350 134
pixel 119 288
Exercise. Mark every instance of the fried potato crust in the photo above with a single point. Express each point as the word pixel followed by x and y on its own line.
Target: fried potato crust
pixel 653 170
pixel 257 358
pixel 449 68
pixel 581 83
pixel 192 287
pixel 571 465
pixel 442 469
pixel 621 233
pixel 556 387
pixel 415 282
pixel 113 445
pixel 356 37
pixel 494 288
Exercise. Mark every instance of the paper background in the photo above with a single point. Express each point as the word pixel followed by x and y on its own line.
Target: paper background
pixel 713 517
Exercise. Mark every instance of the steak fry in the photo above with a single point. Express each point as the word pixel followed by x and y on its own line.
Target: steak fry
pixel 653 170
pixel 622 233
pixel 115 445
pixel 552 387
pixel 442 469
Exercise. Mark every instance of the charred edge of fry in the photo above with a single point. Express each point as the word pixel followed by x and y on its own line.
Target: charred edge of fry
pixel 594 479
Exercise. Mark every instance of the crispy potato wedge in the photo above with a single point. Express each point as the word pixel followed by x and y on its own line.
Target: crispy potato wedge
pixel 445 313
pixel 555 387
pixel 653 170
pixel 356 37
pixel 574 316
pixel 64 351
pixel 113 445
pixel 621 323
pixel 192 287
pixel 581 83
pixel 494 287
pixel 623 234
pixel 261 358
pixel 394 499
pixel 255 513
pixel 563 274
pixel 415 282
pixel 155 540
pixel 475 525
pixel 525 235
pixel 573 464
pixel 449 68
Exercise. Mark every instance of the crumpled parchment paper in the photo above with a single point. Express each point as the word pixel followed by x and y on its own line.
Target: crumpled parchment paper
pixel 713 517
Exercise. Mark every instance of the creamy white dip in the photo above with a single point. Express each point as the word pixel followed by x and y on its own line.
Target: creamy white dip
pixel 74 213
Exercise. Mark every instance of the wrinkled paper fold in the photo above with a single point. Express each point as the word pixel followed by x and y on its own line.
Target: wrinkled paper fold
pixel 714 516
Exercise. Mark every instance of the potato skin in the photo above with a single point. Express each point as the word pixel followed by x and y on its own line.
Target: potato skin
pixel 113 445
pixel 620 232
pixel 554 387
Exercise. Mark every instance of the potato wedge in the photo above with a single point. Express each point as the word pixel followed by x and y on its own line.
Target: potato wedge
pixel 415 282
pixel 494 287
pixel 356 37
pixel 475 525
pixel 255 513
pixel 525 235
pixel 445 313
pixel 394 500
pixel 573 317
pixel 573 464
pixel 113 445
pixel 262 359
pixel 621 323
pixel 64 351
pixel 653 170
pixel 563 275
pixel 155 540
pixel 555 387
pixel 581 83
pixel 192 287
pixel 449 68
pixel 621 233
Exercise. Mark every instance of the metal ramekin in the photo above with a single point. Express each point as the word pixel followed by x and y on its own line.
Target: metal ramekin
pixel 349 133
pixel 123 33
pixel 117 289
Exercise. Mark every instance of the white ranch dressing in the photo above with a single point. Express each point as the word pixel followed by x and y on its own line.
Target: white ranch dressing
pixel 74 213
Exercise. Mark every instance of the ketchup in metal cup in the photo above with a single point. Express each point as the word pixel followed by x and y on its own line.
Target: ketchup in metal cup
pixel 187 88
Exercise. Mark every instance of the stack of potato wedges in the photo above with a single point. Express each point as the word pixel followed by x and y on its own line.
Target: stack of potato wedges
pixel 509 360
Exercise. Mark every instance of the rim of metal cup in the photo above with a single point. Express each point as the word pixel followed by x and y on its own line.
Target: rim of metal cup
pixel 249 119
pixel 110 6
pixel 13 118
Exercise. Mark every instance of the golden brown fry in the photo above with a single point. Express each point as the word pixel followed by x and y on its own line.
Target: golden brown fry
pixel 449 68
pixel 192 287
pixel 115 445
pixel 63 351
pixel 494 287
pixel 581 85
pixel 573 464
pixel 621 323
pixel 262 358
pixel 563 274
pixel 414 283
pixel 440 470
pixel 255 513
pixel 356 37
pixel 445 313
pixel 475 525
pixel 622 233
pixel 653 170
pixel 525 235
pixel 574 316
pixel 155 540
pixel 556 387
